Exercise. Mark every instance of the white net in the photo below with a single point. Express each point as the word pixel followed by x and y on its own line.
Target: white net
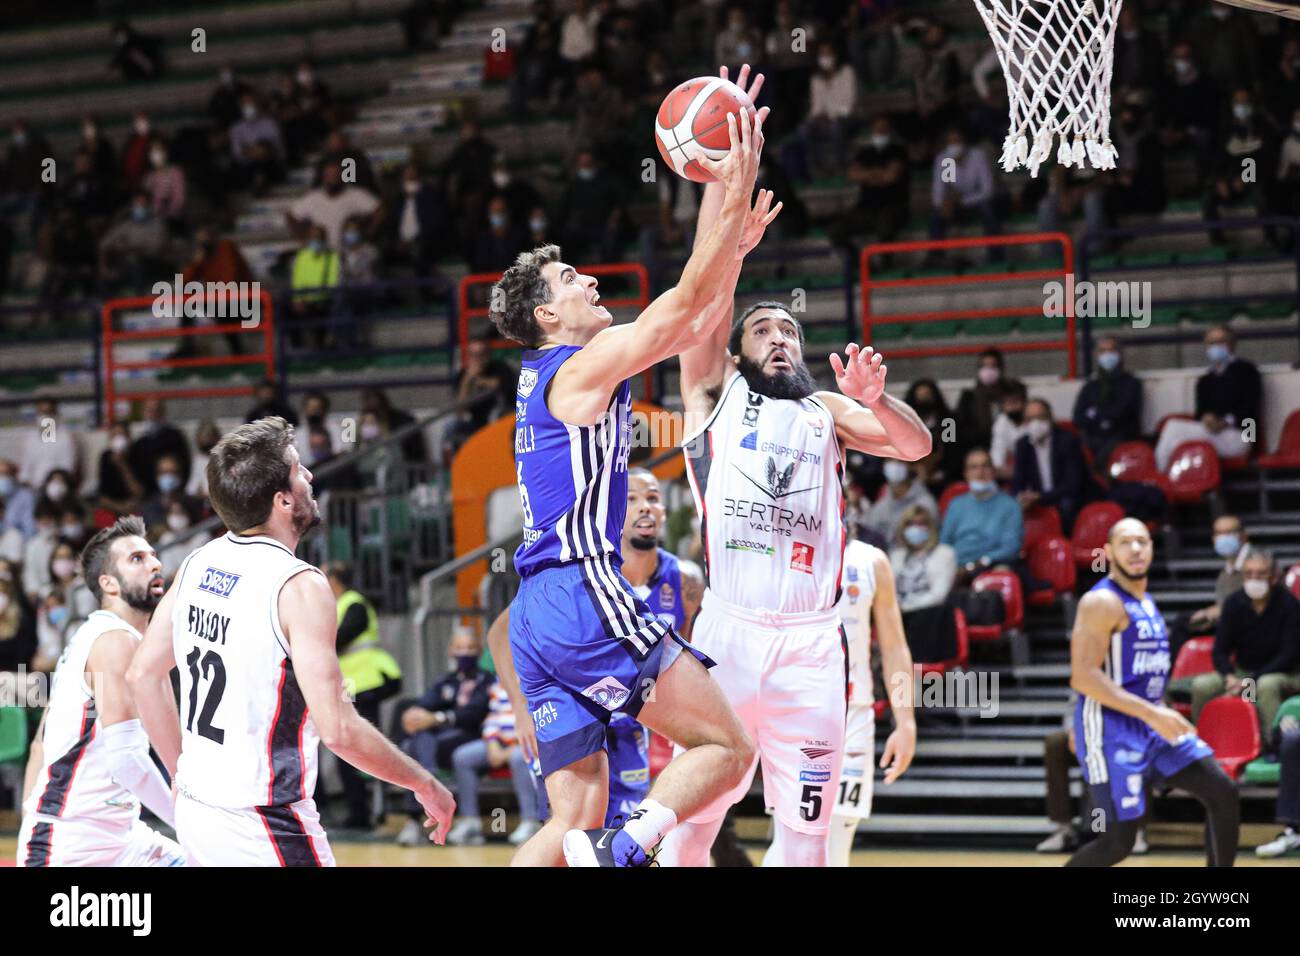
pixel 1057 56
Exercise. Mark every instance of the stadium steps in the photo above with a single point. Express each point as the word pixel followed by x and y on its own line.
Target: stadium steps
pixel 949 824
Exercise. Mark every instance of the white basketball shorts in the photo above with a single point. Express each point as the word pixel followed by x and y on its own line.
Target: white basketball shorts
pixel 289 835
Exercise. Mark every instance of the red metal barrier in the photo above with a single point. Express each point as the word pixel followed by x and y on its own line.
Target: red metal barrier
pixel 1067 344
pixel 641 300
pixel 111 336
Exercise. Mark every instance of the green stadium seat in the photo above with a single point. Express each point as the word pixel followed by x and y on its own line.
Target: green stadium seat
pixel 1266 771
pixel 13 734
pixel 890 332
pixel 936 330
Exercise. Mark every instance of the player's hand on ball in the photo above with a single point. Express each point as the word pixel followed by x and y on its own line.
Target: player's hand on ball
pixel 440 807
pixel 1169 724
pixel 861 375
pixel 900 748
pixel 756 223
pixel 742 81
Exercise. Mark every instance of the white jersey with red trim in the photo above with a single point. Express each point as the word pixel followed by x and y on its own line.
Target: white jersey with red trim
pixel 766 475
pixel 76 783
pixel 246 737
pixel 855 613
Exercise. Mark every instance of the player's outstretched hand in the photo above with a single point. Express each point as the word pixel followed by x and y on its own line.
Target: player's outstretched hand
pixel 440 807
pixel 1169 724
pixel 743 81
pixel 861 375
pixel 900 748
pixel 756 223
pixel 739 168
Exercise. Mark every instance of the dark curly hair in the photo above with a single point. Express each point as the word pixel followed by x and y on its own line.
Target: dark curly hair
pixel 519 291
pixel 738 326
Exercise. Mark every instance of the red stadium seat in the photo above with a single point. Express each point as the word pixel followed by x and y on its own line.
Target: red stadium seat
pixel 1041 522
pixel 1090 530
pixel 1192 474
pixel 1293 580
pixel 962 658
pixel 500 773
pixel 949 493
pixel 1013 604
pixel 1194 657
pixel 1052 560
pixel 1133 461
pixel 1230 727
pixel 661 751
pixel 1288 446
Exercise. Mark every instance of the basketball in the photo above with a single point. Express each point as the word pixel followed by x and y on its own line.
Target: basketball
pixel 692 123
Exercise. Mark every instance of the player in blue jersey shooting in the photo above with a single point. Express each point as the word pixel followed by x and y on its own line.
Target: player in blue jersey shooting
pixel 1126 736
pixel 584 645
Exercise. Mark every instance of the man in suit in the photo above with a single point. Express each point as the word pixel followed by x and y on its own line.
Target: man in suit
pixel 1050 468
pixel 1108 409
pixel 1227 398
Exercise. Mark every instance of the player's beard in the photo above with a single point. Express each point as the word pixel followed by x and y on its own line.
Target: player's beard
pixel 305 517
pixel 796 383
pixel 642 543
pixel 1128 575
pixel 141 598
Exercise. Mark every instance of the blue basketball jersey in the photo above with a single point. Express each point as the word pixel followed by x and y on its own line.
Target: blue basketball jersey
pixel 663 592
pixel 1138 657
pixel 572 479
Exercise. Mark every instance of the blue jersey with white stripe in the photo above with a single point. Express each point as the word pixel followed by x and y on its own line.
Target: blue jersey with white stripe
pixel 572 479
pixel 663 592
pixel 1138 656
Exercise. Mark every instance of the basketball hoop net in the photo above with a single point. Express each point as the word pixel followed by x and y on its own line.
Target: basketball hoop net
pixel 1057 57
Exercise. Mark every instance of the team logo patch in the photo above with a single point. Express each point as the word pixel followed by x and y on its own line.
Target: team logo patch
pixel 816 753
pixel 750 441
pixel 608 693
pixel 639 775
pixel 666 595
pixel 751 410
pixel 801 557
pixel 218 582
pixel 527 381
pixel 854 592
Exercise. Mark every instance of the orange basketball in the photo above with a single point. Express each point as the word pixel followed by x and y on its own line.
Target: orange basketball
pixel 692 122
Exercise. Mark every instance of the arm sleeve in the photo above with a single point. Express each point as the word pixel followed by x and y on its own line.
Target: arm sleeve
pixel 354 622
pixel 127 748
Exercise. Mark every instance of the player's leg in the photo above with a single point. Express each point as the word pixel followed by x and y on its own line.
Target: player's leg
pixel 1114 844
pixel 578 795
pixel 1205 780
pixel 856 785
pixel 691 842
pixel 147 847
pixel 792 847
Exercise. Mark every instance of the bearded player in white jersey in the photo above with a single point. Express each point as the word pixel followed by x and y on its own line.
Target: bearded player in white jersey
pixel 252 630
pixel 89 769
pixel 869 609
pixel 766 468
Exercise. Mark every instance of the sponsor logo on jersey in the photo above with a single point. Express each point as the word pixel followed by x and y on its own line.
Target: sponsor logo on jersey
pixel 750 418
pixel 1129 802
pixel 218 582
pixel 816 753
pixel 777 485
pixel 521 411
pixel 814 776
pixel 770 518
pixel 854 592
pixel 750 440
pixel 1127 756
pixel 527 381
pixel 751 547
pixel 525 439
pixel 1134 783
pixel 531 535
pixel 785 451
pixel 608 693
pixel 546 714
pixel 666 595
pixel 801 557
pixel 1151 662
pixel 1156 687
pixel 850 771
pixel 639 775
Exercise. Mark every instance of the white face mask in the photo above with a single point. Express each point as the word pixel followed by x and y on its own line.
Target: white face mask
pixel 177 522
pixel 1255 589
pixel 988 375
pixel 1037 429
pixel 369 432
pixel 119 444
pixel 142 127
pixel 63 567
pixel 895 472
pixel 827 63
pixel 411 187
pixel 501 179
pixel 55 490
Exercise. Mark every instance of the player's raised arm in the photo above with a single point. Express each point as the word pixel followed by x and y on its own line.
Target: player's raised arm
pixel 123 733
pixel 1099 616
pixel 498 641
pixel 309 620
pixel 866 418
pixel 680 315
pixel 896 666
pixel 149 682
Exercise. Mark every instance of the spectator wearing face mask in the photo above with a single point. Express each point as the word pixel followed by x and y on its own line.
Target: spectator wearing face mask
pixel 984 526
pixel 924 572
pixel 538 225
pixel 1139 60
pixel 257 146
pixel 1229 539
pixel 18 641
pixel 1008 427
pixel 171 490
pixel 358 267
pixel 120 489
pixel 1187 106
pixel 520 195
pixel 1256 644
pixel 24 169
pixel 1245 134
pixel 415 222
pixel 391 419
pixel 881 172
pixel 499 242
pixel 819 148
pixel 937 84
pixel 72 525
pixel 38 550
pixel 135 151
pixel 962 189
pixel 978 406
pixel 1049 466
pixel 315 271
pixel 58 491
pixel 223 104
pixel 1138 181
pixel 136 56
pixel 1108 408
pixel 1228 395
pixel 50 443
pixel 331 205
pixel 943 464
pixel 11 539
pixel 902 492
pixel 157 439
pixel 206 437
pixel 98 150
pixel 175 543
pixel 133 253
pixel 738 43
pixel 315 106
pixel 590 215
pixel 53 615
pixel 19 502
pixel 65 579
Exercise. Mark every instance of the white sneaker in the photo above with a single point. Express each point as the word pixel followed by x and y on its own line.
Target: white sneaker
pixel 411 835
pixel 1056 842
pixel 524 832
pixel 1140 845
pixel 467 831
pixel 1288 841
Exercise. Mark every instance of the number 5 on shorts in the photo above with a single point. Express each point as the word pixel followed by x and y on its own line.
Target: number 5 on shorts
pixel 810 804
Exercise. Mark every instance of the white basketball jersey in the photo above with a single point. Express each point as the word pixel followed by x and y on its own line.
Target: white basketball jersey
pixel 75 783
pixel 766 478
pixel 855 612
pixel 246 737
